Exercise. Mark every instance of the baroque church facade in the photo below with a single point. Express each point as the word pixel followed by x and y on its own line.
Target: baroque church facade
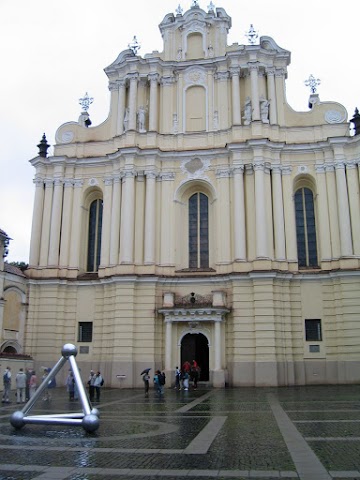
pixel 203 219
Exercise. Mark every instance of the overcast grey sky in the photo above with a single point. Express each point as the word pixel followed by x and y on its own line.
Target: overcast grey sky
pixel 53 52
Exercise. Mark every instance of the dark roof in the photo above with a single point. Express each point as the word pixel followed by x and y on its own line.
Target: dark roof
pixel 14 270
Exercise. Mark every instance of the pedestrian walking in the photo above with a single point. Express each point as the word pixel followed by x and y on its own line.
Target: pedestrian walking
pixel 20 381
pixel 7 385
pixel 185 379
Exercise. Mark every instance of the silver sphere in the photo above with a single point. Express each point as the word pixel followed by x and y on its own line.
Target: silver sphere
pixel 90 423
pixel 17 419
pixel 69 349
pixel 96 412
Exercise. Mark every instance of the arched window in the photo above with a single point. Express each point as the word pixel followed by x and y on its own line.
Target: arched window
pixel 94 235
pixel 198 231
pixel 305 228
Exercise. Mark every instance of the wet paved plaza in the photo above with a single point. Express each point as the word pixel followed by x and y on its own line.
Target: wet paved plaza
pixel 308 433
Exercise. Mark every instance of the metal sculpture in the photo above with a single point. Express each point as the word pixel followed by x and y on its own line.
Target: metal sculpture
pixel 88 418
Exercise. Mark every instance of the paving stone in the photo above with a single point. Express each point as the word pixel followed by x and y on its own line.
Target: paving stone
pixel 181 436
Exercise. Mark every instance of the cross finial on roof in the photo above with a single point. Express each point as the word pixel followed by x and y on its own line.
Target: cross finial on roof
pixel 134 45
pixel 313 83
pixel 252 35
pixel 85 102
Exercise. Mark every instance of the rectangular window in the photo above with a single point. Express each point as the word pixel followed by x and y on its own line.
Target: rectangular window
pixel 85 332
pixel 313 330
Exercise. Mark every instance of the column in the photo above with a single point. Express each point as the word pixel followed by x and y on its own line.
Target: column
pixel 280 94
pixel 74 260
pixel 127 218
pixel 66 222
pixel 260 211
pixel 166 120
pixel 239 213
pixel 255 103
pixel 36 222
pixel 153 107
pixel 223 216
pixel 235 87
pixel 167 225
pixel 134 77
pixel 278 209
pixel 217 345
pixel 45 231
pixel 55 223
pixel 289 215
pixel 106 223
pixel 270 72
pixel 149 242
pixel 222 99
pixel 333 210
pixel 323 217
pixel 121 106
pixel 115 221
pixel 168 344
pixel 353 188
pixel 343 210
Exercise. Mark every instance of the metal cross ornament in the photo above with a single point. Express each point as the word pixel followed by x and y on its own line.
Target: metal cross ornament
pixel 313 83
pixel 134 45
pixel 252 35
pixel 85 102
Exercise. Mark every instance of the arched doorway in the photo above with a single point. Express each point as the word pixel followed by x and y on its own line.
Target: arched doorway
pixel 195 346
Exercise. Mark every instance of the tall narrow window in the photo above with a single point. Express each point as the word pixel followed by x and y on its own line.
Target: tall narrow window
pixel 198 231
pixel 305 228
pixel 313 330
pixel 94 237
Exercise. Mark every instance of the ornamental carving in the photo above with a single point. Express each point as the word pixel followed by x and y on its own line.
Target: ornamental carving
pixel 334 116
pixel 195 168
pixel 195 76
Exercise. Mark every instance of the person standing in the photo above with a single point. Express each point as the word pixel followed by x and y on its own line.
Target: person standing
pixel 177 378
pixel 20 381
pixel 91 385
pixel 7 385
pixel 98 383
pixel 70 385
pixel 27 388
pixel 32 384
pixel 146 378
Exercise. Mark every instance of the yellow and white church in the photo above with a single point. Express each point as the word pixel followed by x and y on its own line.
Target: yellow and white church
pixel 203 219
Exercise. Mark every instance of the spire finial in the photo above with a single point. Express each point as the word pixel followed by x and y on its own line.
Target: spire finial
pixel 43 147
pixel 179 10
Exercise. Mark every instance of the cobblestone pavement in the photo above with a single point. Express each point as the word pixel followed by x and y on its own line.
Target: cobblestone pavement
pixel 308 433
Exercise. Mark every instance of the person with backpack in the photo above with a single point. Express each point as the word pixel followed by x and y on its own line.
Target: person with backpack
pixel 159 381
pixel 98 383
pixel 7 385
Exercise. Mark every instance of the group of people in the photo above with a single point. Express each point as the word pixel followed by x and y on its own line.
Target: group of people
pixel 95 383
pixel 26 383
pixel 190 372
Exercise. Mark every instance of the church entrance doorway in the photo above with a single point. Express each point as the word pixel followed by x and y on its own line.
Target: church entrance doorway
pixel 194 346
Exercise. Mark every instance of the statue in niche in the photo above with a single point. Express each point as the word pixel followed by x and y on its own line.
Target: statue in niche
pixel 247 111
pixel 141 118
pixel 264 109
pixel 126 119
pixel 179 53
